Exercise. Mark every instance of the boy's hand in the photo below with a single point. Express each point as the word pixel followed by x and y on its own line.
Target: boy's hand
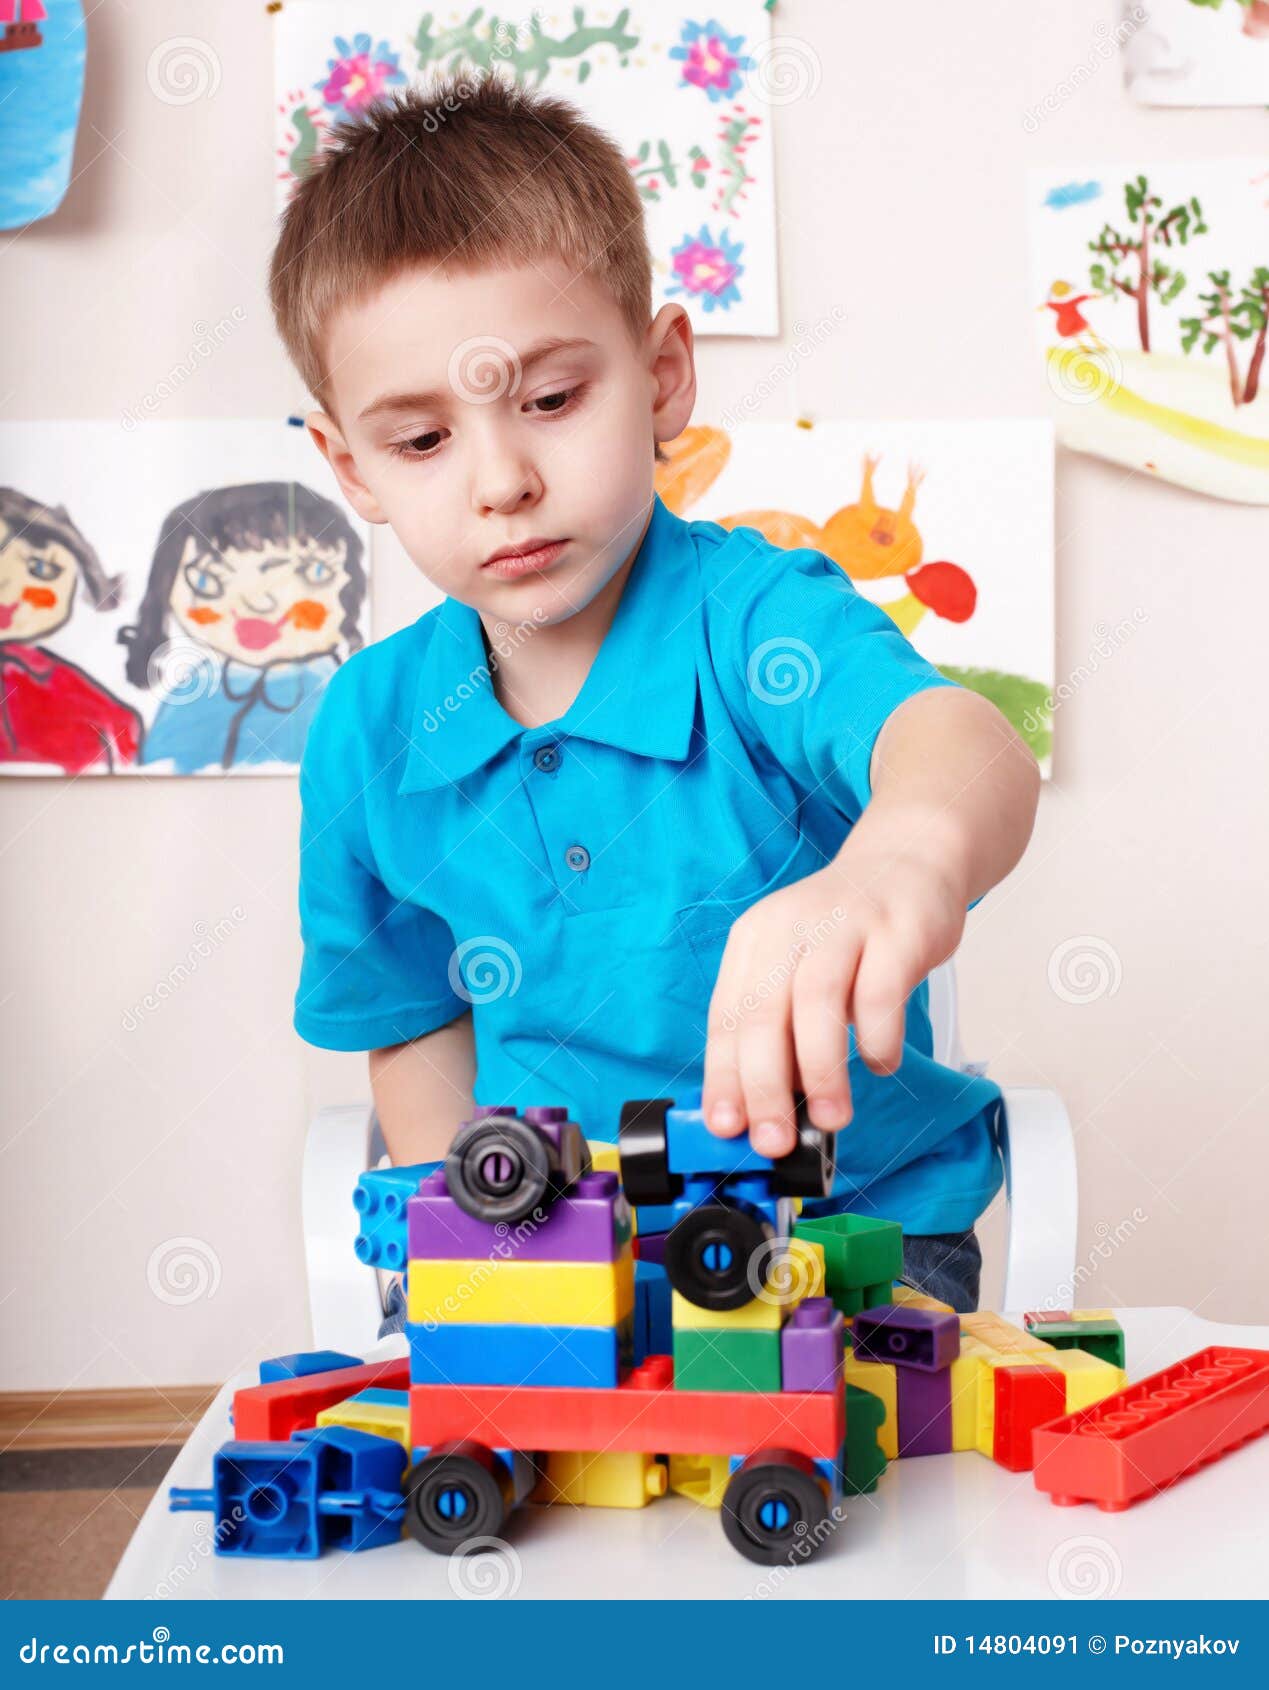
pixel 847 944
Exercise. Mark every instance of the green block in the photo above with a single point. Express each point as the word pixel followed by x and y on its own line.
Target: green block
pixel 865 1458
pixel 877 1296
pixel 717 1359
pixel 1099 1338
pixel 858 1250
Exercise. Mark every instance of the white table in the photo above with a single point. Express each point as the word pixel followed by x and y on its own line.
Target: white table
pixel 936 1526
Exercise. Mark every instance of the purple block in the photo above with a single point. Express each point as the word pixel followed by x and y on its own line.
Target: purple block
pixel 925 1411
pixel 590 1224
pixel 812 1345
pixel 652 1247
pixel 907 1338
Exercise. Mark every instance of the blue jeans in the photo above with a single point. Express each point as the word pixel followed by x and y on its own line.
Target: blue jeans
pixel 945 1265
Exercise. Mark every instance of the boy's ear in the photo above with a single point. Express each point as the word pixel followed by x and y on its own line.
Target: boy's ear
pixel 334 448
pixel 672 363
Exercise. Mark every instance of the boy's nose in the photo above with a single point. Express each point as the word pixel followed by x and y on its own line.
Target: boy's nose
pixel 505 487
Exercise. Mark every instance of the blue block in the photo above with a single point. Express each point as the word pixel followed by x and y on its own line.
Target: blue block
pixel 327 1488
pixel 514 1355
pixel 380 1199
pixel 654 1326
pixel 692 1149
pixel 299 1366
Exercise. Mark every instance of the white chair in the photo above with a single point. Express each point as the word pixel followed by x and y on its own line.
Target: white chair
pixel 346 1300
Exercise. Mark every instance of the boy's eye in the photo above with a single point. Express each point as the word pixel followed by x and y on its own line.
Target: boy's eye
pixel 204 581
pixel 44 569
pixel 552 402
pixel 315 571
pixel 419 445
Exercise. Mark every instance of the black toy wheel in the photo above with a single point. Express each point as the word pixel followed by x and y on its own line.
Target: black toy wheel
pixel 645 1163
pixel 499 1169
pixel 457 1493
pixel 808 1169
pixel 710 1255
pixel 774 1509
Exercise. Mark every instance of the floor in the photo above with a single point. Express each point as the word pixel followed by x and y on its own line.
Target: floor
pixel 66 1516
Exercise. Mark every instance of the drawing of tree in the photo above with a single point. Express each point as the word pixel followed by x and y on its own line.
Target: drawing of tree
pixel 494 41
pixel 649 177
pixel 1226 321
pixel 1137 251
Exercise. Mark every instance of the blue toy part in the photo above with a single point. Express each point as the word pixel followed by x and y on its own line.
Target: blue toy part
pixel 525 1474
pixel 380 1199
pixel 654 1326
pixel 828 1470
pixel 692 1149
pixel 299 1366
pixel 514 1355
pixel 754 1191
pixel 327 1488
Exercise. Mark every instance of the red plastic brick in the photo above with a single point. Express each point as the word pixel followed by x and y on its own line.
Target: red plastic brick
pixel 1026 1397
pixel 645 1412
pixel 1151 1434
pixel 272 1412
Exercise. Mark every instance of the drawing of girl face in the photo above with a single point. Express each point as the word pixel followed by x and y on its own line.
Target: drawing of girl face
pixel 274 603
pixel 37 585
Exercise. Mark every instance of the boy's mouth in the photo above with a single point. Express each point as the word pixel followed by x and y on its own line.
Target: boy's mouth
pixel 530 556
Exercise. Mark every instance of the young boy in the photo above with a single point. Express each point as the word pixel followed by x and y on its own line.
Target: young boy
pixel 644 805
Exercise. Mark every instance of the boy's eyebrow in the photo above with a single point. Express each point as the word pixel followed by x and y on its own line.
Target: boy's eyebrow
pixel 394 404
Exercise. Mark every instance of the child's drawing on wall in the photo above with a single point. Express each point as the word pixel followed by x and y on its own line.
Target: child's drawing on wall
pixel 52 711
pixel 253 598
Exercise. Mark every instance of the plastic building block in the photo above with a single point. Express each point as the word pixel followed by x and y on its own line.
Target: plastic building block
pixel 299 1366
pixel 1094 1330
pixel 761 1314
pixel 384 1414
pixel 604 1158
pixel 910 1338
pixel 880 1380
pixel 812 1347
pixel 879 1296
pixel 907 1298
pixel 653 1327
pixel 380 1200
pixel 272 1412
pixel 503 1166
pixel 996 1334
pixel 602 1479
pixel 925 1409
pixel 1025 1398
pixel 859 1251
pixel 645 1412
pixel 333 1488
pixel 665 1143
pixel 1146 1437
pixel 964 1376
pixel 704 1478
pixel 590 1224
pixel 514 1355
pixel 1089 1379
pixel 775 1508
pixel 468 1292
pixel 650 1247
pixel 865 1459
pixel 726 1361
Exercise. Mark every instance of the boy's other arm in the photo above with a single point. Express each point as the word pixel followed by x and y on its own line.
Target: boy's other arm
pixel 423 1091
pixel 954 794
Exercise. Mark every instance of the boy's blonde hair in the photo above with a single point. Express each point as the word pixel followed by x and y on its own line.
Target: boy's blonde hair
pixel 469 174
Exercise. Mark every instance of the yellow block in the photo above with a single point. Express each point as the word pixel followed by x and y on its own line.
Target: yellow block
pixel 968 1374
pixel 757 1316
pixel 999 1335
pixel 602 1479
pixel 878 1377
pixel 384 1420
pixel 1088 1378
pixel 471 1293
pixel 702 1477
pixel 905 1297
pixel 604 1158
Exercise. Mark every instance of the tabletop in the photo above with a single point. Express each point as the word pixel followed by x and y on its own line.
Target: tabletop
pixel 936 1526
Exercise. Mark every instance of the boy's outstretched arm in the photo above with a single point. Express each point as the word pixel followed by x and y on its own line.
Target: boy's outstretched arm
pixel 954 794
pixel 423 1091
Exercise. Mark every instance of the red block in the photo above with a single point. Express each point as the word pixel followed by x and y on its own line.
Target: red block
pixel 645 1412
pixel 1151 1434
pixel 1026 1397
pixel 273 1412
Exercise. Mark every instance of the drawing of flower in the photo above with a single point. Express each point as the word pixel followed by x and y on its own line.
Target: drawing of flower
pixel 359 73
pixel 711 59
pixel 707 269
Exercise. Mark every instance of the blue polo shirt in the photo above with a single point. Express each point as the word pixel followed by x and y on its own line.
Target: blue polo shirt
pixel 573 884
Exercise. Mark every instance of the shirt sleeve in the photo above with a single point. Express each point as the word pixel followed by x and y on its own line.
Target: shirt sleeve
pixel 818 669
pixel 376 970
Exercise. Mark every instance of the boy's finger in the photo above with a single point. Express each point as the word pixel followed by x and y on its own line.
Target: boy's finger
pixel 722 1098
pixel 877 1005
pixel 766 1077
pixel 821 1040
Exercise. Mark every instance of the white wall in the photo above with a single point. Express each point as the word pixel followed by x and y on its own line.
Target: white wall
pixel 901 196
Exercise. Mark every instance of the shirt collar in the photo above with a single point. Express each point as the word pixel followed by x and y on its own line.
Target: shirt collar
pixel 640 694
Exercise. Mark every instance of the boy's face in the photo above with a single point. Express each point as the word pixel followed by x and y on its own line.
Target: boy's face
pixel 504 412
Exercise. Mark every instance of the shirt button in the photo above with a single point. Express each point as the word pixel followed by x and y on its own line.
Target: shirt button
pixel 577 857
pixel 546 758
